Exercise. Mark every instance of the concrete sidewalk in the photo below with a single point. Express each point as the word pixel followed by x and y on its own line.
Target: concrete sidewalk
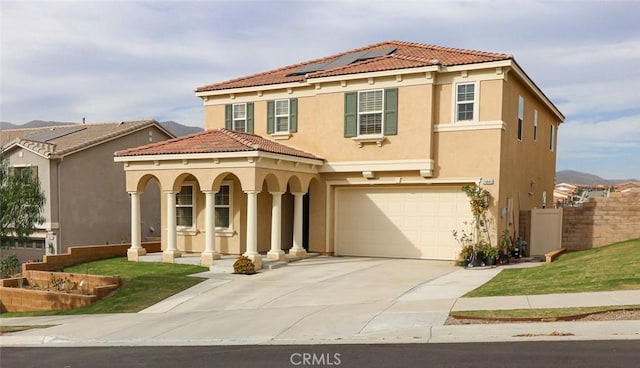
pixel 326 300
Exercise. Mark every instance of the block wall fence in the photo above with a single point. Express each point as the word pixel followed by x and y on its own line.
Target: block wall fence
pixel 598 222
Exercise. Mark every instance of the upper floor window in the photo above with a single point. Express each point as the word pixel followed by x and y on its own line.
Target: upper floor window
pixel 223 207
pixel 465 101
pixel 520 117
pixel 535 125
pixel 239 117
pixel 371 113
pixel 185 206
pixel 552 138
pixel 282 116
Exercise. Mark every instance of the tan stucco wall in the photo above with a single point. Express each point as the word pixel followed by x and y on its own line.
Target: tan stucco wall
pixel 527 167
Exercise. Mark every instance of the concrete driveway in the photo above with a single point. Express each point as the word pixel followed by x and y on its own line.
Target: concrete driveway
pixel 322 299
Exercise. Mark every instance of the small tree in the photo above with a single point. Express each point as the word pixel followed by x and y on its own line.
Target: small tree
pixel 21 202
pixel 479 237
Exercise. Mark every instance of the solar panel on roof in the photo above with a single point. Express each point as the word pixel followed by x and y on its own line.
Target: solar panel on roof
pixel 377 53
pixel 343 60
pixel 47 135
pixel 307 69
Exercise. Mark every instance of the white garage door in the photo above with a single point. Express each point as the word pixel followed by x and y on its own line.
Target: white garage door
pixel 413 222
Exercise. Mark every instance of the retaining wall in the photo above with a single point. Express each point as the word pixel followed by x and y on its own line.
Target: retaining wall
pixel 78 290
pixel 82 254
pixel 601 221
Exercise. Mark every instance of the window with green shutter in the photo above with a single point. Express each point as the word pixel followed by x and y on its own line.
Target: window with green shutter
pixel 371 112
pixel 282 116
pixel 239 117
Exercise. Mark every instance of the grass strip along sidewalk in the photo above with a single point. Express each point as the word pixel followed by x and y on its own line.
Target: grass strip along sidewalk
pixel 143 284
pixel 612 267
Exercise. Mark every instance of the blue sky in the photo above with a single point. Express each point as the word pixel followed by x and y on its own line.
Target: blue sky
pixel 123 60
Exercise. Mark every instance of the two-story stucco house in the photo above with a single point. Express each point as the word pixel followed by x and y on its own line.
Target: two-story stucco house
pixel 362 153
pixel 86 202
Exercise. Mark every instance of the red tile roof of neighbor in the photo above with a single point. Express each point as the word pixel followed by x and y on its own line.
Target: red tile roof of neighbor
pixel 406 55
pixel 215 141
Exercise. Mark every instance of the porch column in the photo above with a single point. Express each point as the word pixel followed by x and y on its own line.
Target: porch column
pixel 136 247
pixel 252 228
pixel 209 254
pixel 276 227
pixel 297 249
pixel 171 252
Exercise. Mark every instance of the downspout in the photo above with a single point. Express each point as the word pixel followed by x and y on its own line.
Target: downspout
pixel 59 237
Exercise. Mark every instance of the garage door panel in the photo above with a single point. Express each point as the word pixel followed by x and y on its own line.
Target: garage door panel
pixel 411 222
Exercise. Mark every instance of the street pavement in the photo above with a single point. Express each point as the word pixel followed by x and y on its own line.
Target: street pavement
pixel 327 300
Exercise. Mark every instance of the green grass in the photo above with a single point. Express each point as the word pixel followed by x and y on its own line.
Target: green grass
pixel 143 284
pixel 613 267
pixel 540 313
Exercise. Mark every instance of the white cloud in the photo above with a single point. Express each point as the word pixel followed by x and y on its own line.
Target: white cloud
pixel 605 138
pixel 116 60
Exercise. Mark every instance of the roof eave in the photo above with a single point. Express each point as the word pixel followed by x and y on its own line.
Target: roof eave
pixel 219 155
pixel 533 86
pixel 258 88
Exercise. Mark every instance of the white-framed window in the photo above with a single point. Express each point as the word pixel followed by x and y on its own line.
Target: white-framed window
pixel 239 117
pixel 185 207
pixel 552 138
pixel 223 207
pixel 466 96
pixel 535 125
pixel 370 112
pixel 520 117
pixel 282 116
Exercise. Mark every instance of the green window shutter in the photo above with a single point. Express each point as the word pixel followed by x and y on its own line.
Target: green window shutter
pixel 293 115
pixel 270 117
pixel 391 111
pixel 228 117
pixel 350 114
pixel 250 117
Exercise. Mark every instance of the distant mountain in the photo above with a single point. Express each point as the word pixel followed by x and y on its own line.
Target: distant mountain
pixel 32 124
pixel 176 128
pixel 7 125
pixel 577 177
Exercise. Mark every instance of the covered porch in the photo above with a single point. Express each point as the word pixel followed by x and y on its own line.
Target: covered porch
pixel 223 192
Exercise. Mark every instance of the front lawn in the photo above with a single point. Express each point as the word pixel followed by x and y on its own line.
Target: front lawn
pixel 540 313
pixel 613 267
pixel 143 284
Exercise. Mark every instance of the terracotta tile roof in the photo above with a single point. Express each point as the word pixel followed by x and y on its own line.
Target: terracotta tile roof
pixel 70 138
pixel 215 141
pixel 406 55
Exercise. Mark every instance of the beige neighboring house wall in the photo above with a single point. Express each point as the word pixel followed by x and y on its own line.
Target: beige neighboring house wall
pixel 86 201
pixel 406 183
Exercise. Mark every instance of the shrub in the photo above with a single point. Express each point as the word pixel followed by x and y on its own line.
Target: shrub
pixel 9 265
pixel 488 251
pixel 244 265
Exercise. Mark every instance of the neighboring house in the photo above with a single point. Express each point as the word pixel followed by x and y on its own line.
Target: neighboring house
pixel 362 153
pixel 86 200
